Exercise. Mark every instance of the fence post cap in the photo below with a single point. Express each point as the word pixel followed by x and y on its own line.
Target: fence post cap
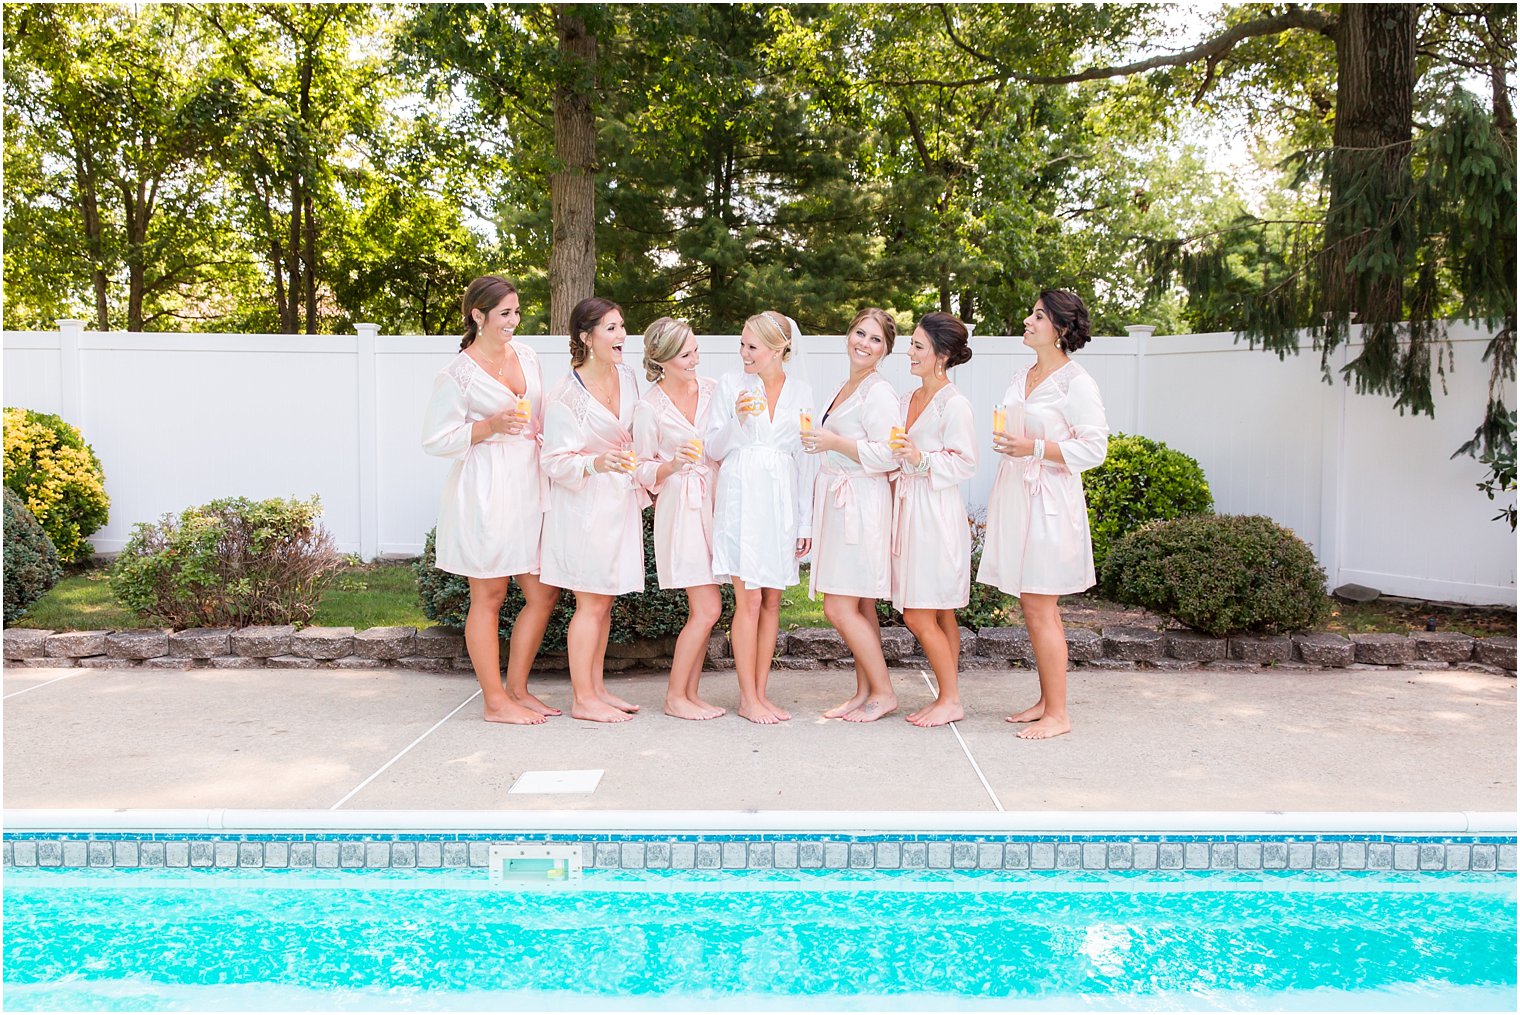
pixel 1140 330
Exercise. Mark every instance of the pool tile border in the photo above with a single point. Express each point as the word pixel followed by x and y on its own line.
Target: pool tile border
pixel 876 851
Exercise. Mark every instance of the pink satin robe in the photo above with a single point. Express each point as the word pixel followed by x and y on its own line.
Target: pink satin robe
pixel 1038 537
pixel 683 506
pixel 491 513
pixel 931 533
pixel 852 501
pixel 593 535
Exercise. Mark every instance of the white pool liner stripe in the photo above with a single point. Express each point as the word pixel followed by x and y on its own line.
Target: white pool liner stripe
pixel 373 775
pixel 771 822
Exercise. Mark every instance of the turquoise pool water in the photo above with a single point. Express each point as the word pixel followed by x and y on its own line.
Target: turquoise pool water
pixel 325 940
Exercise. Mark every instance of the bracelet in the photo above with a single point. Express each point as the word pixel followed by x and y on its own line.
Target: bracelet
pixel 1039 449
pixel 591 465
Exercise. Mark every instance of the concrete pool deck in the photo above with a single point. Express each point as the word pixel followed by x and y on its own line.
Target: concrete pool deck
pixel 1299 740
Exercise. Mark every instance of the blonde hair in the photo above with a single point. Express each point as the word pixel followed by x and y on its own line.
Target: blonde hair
pixel 773 329
pixel 883 321
pixel 663 342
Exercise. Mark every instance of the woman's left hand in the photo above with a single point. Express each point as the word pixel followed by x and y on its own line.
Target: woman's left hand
pixel 804 547
pixel 1012 445
pixel 819 440
pixel 903 449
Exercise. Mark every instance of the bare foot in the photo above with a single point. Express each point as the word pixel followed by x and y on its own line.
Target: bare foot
pixel 1044 729
pixel 939 713
pixel 840 711
pixel 516 715
pixel 1030 714
pixel 758 713
pixel 617 702
pixel 597 710
pixel 873 709
pixel 682 708
pixel 777 710
pixel 707 706
pixel 530 700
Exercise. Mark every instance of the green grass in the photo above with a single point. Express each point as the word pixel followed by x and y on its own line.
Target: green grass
pixel 376 595
pixel 797 610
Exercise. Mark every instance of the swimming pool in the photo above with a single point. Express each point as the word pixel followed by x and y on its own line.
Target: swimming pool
pixel 756 939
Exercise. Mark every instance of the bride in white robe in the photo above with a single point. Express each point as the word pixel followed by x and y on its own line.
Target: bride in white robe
pixel 763 519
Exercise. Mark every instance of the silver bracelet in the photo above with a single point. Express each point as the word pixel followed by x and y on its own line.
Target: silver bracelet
pixel 1039 449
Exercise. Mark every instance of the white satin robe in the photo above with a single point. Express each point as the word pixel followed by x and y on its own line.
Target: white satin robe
pixel 852 501
pixel 765 486
pixel 491 513
pixel 683 506
pixel 931 533
pixel 593 535
pixel 1038 537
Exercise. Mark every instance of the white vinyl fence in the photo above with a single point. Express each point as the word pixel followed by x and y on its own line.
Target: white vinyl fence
pixel 181 419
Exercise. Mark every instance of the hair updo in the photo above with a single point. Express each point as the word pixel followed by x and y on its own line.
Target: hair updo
pixel 663 342
pixel 587 314
pixel 1069 315
pixel 883 321
pixel 483 294
pixel 773 329
pixel 948 336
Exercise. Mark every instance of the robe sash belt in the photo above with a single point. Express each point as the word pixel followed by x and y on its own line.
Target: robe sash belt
pixel 1036 485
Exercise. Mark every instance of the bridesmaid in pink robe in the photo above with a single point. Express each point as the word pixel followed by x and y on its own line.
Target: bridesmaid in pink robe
pixel 593 530
pixel 491 512
pixel 852 511
pixel 668 424
pixel 931 536
pixel 1039 546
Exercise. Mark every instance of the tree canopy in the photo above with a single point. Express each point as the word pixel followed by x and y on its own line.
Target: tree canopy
pixel 298 167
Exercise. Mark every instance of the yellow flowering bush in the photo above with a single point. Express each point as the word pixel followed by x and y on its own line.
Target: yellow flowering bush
pixel 56 474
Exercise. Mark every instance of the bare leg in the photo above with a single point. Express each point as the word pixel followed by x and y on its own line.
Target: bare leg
pixel 745 636
pixel 586 644
pixel 834 609
pixel 943 652
pixel 1048 637
pixel 704 607
pixel 765 647
pixel 482 639
pixel 598 670
pixel 862 635
pixel 527 636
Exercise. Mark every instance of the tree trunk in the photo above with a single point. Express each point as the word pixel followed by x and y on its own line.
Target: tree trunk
pixel 292 323
pixel 94 241
pixel 136 208
pixel 1370 180
pixel 572 190
pixel 309 229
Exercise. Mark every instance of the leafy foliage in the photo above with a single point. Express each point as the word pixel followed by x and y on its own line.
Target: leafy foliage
pixel 50 467
pixel 31 562
pixel 1221 574
pixel 231 562
pixel 1142 480
pixel 653 613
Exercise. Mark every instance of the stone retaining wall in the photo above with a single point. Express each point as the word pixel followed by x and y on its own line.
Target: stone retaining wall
pixel 438 649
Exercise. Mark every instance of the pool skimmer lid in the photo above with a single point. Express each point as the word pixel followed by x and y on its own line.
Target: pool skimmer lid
pixel 569 781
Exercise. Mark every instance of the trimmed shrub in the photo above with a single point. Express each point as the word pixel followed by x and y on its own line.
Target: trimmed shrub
pixel 229 563
pixel 653 613
pixel 987 607
pixel 1221 574
pixel 56 474
pixel 1140 481
pixel 31 561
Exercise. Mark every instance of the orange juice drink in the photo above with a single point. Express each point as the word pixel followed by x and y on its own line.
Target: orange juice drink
pixel 696 445
pixel 525 407
pixel 805 420
pixel 897 436
pixel 1000 420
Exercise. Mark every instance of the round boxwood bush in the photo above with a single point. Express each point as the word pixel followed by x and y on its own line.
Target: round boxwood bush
pixel 50 467
pixel 1221 574
pixel 653 613
pixel 229 563
pixel 1140 481
pixel 31 561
